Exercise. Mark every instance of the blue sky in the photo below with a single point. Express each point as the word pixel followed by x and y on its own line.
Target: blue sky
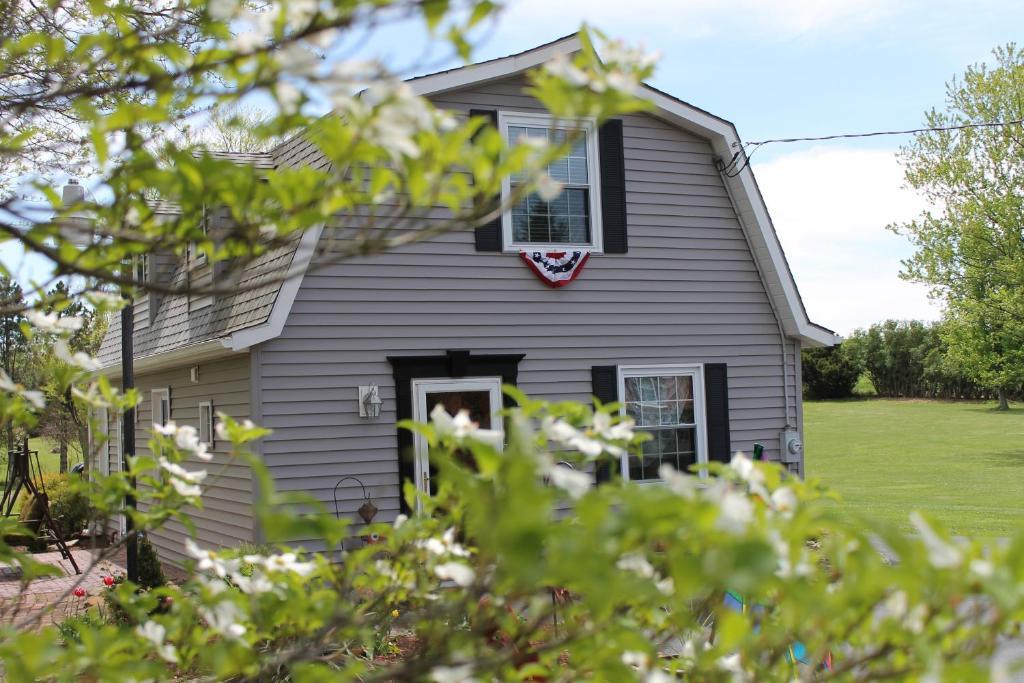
pixel 791 68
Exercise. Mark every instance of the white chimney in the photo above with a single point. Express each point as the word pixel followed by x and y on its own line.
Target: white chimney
pixel 76 227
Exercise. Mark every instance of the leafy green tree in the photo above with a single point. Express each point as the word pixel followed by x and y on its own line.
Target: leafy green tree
pixel 829 372
pixel 970 245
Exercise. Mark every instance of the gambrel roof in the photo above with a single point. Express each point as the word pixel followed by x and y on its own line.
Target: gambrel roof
pixel 234 329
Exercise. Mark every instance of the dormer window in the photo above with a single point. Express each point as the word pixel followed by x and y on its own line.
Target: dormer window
pixel 197 257
pixel 140 269
pixel 573 218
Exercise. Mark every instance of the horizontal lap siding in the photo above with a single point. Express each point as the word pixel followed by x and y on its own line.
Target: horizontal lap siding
pixel 687 291
pixel 226 516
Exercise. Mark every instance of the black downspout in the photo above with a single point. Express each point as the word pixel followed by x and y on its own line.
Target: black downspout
pixel 128 433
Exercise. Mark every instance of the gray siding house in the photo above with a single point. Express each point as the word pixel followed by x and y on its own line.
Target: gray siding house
pixel 686 312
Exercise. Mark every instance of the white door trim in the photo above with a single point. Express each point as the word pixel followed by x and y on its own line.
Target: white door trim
pixel 420 389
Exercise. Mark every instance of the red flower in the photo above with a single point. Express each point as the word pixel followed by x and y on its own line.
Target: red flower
pixel 108 580
pixel 79 592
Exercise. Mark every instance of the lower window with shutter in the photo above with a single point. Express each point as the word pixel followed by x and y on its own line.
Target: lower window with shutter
pixel 667 402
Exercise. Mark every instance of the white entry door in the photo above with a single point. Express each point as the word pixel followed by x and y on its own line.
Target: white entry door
pixel 481 396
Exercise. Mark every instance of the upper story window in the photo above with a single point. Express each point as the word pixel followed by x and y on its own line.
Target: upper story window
pixel 573 218
pixel 140 268
pixel 667 402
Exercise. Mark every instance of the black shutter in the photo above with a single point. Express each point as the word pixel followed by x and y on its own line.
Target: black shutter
pixel 488 236
pixel 613 187
pixel 716 400
pixel 604 381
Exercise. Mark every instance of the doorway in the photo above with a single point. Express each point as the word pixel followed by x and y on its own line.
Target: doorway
pixel 480 396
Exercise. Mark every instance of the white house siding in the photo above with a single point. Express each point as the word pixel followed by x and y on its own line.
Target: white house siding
pixel 226 517
pixel 688 291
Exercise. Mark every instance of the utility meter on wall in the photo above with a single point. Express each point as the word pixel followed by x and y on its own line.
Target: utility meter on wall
pixel 791 445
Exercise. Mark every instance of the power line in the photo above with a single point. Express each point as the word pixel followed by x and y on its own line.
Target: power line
pixel 741 159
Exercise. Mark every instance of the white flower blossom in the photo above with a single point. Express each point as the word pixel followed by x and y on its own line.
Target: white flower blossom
pixel 639 660
pixel 462 427
pixel 666 586
pixel 400 520
pixel 105 300
pixel 941 553
pixel 565 434
pixel 463 673
pixel 444 546
pixel 51 322
pixel 574 482
pixel 784 501
pixel 982 568
pixel 34 397
pixel 635 562
pixel 621 431
pixel 248 41
pixel 680 483
pixel 288 562
pixel 78 359
pixel 224 619
pixel 156 634
pixel 548 188
pixel 895 605
pixel 167 429
pixel 179 472
pixel 256 584
pixel 461 574
pixel 288 98
pixel 915 620
pixel 735 512
pixel 222 10
pixel 561 67
pixel 210 561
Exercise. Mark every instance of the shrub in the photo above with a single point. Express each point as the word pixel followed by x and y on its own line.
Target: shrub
pixel 69 506
pixel 829 373
pixel 151 574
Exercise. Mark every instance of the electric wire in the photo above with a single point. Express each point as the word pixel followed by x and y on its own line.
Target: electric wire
pixel 741 159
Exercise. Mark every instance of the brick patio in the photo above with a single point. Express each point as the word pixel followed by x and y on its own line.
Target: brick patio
pixel 20 604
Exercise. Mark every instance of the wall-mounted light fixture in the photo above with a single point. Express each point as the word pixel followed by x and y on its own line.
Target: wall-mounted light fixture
pixel 193 374
pixel 369 401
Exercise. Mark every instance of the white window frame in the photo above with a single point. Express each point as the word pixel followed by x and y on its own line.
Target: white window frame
pixel 589 126
pixel 157 395
pixel 694 370
pixel 208 405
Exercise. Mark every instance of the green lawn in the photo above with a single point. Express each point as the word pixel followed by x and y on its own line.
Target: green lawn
pixel 961 462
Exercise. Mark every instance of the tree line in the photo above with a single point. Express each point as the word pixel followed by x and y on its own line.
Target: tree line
pixel 902 359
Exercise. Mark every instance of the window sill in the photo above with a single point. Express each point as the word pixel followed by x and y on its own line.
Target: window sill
pixel 517 248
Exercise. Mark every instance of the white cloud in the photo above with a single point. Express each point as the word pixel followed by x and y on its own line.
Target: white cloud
pixel 700 18
pixel 830 207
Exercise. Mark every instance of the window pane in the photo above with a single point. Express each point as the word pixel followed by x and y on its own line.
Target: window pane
pixel 520 227
pixel 632 386
pixel 559 170
pixel 684 387
pixel 686 415
pixel 577 170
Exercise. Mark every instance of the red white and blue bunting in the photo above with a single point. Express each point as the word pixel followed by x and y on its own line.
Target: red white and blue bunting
pixel 555 268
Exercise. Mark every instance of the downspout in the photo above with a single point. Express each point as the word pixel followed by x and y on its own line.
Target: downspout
pixel 778 323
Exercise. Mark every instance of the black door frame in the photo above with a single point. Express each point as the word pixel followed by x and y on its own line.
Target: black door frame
pixel 452 365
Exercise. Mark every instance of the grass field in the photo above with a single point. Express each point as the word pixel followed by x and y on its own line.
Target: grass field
pixel 961 462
